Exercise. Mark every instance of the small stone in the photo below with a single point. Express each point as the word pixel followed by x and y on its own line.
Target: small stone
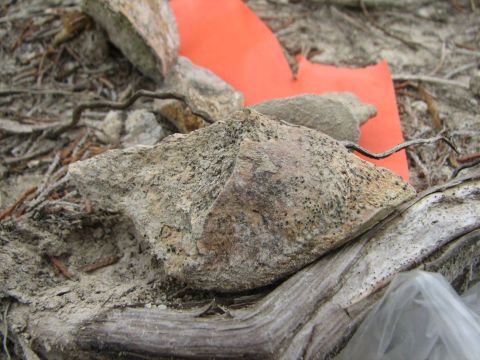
pixel 98 233
pixel 205 91
pixel 338 115
pixel 475 83
pixel 241 203
pixel 110 128
pixel 144 30
pixel 162 307
pixel 142 128
pixel 420 106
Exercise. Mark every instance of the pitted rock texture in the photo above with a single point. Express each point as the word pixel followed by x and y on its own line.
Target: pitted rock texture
pixel 205 90
pixel 144 30
pixel 336 114
pixel 243 202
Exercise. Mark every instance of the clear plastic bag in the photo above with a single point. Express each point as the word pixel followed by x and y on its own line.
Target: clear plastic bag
pixel 420 317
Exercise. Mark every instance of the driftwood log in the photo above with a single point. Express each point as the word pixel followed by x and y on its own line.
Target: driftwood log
pixel 312 314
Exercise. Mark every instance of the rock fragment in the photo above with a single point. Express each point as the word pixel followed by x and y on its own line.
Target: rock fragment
pixel 142 128
pixel 205 91
pixel 360 111
pixel 338 115
pixel 144 30
pixel 243 202
pixel 110 128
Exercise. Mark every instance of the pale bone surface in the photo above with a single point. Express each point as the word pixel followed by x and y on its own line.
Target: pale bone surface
pixel 244 202
pixel 144 30
pixel 338 115
pixel 205 90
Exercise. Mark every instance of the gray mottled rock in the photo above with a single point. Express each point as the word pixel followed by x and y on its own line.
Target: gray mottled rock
pixel 243 202
pixel 336 114
pixel 142 128
pixel 360 111
pixel 110 128
pixel 144 30
pixel 205 91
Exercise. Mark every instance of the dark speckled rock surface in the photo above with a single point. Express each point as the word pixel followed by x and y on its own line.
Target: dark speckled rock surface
pixel 244 202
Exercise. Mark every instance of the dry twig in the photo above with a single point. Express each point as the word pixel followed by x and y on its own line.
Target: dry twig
pixel 61 267
pixel 34 91
pixel 9 210
pixel 44 193
pixel 441 62
pixel 431 106
pixel 5 331
pixel 100 264
pixel 28 156
pixel 465 166
pixel 77 113
pixel 421 166
pixel 461 69
pixel 363 151
pixel 468 158
pixel 22 35
pixel 429 79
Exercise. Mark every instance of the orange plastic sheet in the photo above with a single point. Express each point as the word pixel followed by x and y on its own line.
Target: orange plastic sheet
pixel 226 37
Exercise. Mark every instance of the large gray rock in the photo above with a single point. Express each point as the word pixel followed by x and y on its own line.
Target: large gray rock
pixel 205 91
pixel 243 202
pixel 336 114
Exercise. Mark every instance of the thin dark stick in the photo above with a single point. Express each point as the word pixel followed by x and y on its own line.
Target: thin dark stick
pixel 9 210
pixel 28 156
pixel 465 166
pixel 77 113
pixel 355 147
pixel 100 264
pixel 468 158
pixel 34 91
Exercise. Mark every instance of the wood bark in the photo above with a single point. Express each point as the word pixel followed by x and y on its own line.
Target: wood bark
pixel 313 313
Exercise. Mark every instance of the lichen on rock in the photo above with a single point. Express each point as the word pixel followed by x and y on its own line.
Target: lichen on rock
pixel 244 202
